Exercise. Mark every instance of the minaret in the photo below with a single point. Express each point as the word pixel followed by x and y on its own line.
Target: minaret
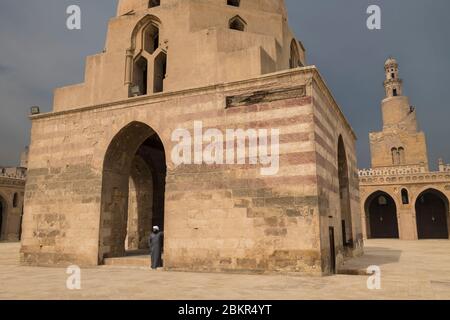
pixel 158 46
pixel 397 111
pixel 400 143
pixel 393 84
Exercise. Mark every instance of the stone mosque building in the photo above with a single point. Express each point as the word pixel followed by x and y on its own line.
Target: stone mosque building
pixel 400 196
pixel 101 169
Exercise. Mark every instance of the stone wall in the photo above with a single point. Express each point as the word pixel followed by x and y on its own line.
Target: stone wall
pixel 217 217
pixel 329 126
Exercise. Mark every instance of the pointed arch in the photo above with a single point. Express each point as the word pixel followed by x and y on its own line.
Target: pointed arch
pixel 144 22
pixel 135 142
pixel 154 3
pixel 381 212
pixel 344 194
pixel 237 23
pixel 432 215
pixel 294 60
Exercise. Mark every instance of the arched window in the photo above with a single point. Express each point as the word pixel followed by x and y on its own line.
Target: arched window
pixel 154 3
pixel 15 200
pixel 401 156
pixel 141 76
pixel 237 23
pixel 234 3
pixel 148 59
pixel 344 191
pixel 395 156
pixel 159 72
pixel 151 38
pixel 294 60
pixel 405 196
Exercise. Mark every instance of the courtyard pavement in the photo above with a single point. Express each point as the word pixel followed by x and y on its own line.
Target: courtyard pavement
pixel 410 270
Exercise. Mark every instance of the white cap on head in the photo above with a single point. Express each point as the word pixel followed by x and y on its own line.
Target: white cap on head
pixel 156 228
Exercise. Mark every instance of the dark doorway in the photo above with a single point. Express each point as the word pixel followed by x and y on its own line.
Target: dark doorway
pixel 431 215
pixel 382 218
pixel 344 195
pixel 134 176
pixel 332 252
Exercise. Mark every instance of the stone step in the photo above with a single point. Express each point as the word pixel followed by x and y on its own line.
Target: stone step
pixel 352 271
pixel 132 261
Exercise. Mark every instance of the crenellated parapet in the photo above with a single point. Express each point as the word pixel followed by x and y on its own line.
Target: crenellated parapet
pixel 402 176
pixel 443 167
pixel 13 173
pixel 392 171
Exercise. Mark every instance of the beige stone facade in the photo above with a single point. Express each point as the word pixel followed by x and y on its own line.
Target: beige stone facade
pixel 101 169
pixel 400 196
pixel 12 189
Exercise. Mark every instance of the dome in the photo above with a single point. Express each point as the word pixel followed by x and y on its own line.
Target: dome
pixel 391 61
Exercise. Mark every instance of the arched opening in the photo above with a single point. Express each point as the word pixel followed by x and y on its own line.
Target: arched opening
pixel 237 23
pixel 151 38
pixel 133 188
pixel 395 156
pixel 159 72
pixel 432 208
pixel 234 3
pixel 154 3
pixel 401 156
pixel 294 60
pixel 146 64
pixel 141 75
pixel 15 200
pixel 344 195
pixel 381 213
pixel 405 196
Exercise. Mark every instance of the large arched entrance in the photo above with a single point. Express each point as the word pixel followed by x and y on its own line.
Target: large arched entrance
pixel 382 216
pixel 344 195
pixel 133 187
pixel 432 215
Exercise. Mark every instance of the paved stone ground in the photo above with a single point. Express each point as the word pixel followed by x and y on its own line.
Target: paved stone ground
pixel 410 270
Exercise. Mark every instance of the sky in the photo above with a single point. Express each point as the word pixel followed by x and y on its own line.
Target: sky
pixel 38 53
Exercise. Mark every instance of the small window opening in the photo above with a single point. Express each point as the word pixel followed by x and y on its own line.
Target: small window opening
pixel 141 75
pixel 234 3
pixel 154 3
pixel 15 200
pixel 237 24
pixel 294 60
pixel 402 156
pixel 151 39
pixel 405 196
pixel 160 72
